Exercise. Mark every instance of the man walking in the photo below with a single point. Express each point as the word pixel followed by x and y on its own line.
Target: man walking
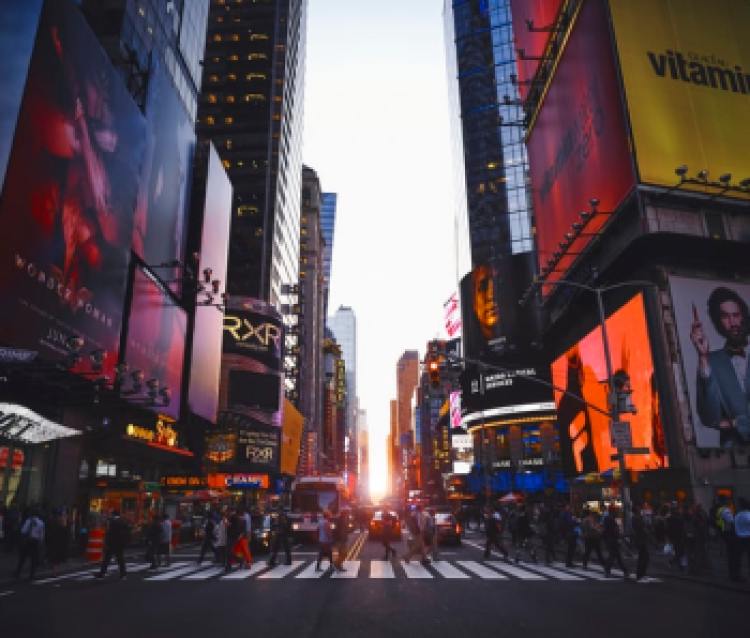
pixel 325 541
pixel 415 541
pixel 568 525
pixel 209 528
pixel 165 541
pixel 115 539
pixel 592 538
pixel 493 530
pixel 611 535
pixel 387 535
pixel 32 537
pixel 339 539
pixel 640 540
pixel 280 532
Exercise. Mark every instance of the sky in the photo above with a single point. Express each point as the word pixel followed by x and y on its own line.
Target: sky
pixel 377 133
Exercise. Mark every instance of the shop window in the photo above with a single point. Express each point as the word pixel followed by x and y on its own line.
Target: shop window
pixel 104 468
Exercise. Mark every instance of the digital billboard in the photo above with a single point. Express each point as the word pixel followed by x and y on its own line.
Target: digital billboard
pixel 713 324
pixel 252 376
pixel 69 195
pixel 585 441
pixel 578 144
pixel 542 15
pixel 686 70
pixel 155 342
pixel 203 395
pixel 160 217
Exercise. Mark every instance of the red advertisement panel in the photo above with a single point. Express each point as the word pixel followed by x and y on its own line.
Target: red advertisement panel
pixel 541 13
pixel 156 344
pixel 68 197
pixel 203 395
pixel 585 441
pixel 578 147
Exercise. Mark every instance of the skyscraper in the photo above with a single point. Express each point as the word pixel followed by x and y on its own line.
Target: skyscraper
pixel 327 226
pixel 251 106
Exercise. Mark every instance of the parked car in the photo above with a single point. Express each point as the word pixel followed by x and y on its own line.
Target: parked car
pixel 376 525
pixel 447 528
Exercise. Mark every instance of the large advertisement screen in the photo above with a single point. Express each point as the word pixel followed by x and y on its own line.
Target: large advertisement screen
pixel 155 342
pixel 159 228
pixel 713 324
pixel 686 69
pixel 532 22
pixel 69 195
pixel 203 396
pixel 585 441
pixel 252 376
pixel 578 146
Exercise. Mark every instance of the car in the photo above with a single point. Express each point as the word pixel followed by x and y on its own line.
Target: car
pixel 376 525
pixel 447 528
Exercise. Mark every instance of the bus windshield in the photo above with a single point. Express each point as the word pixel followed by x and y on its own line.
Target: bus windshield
pixel 314 500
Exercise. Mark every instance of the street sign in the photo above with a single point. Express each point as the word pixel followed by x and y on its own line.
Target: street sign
pixel 620 435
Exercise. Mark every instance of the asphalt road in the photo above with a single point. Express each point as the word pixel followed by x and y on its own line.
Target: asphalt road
pixel 461 595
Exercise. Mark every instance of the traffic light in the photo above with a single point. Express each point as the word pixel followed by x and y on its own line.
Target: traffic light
pixel 433 369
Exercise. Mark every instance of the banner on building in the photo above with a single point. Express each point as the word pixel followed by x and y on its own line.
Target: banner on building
pixel 291 438
pixel 713 324
pixel 585 442
pixel 452 316
pixel 686 70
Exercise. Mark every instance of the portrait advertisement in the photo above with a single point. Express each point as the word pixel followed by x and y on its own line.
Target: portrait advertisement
pixel 155 342
pixel 712 322
pixel 69 195
pixel 585 439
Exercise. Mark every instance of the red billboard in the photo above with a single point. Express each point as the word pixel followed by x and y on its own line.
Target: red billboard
pixel 68 197
pixel 203 396
pixel 541 14
pixel 155 344
pixel 578 145
pixel 585 440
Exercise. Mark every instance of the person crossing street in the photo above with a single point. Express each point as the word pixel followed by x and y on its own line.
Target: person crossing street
pixel 493 529
pixel 115 539
pixel 611 536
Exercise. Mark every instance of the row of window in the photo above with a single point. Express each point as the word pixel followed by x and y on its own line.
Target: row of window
pixel 231 99
pixel 236 37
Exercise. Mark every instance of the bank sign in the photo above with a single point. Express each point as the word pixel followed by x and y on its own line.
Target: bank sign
pixel 686 69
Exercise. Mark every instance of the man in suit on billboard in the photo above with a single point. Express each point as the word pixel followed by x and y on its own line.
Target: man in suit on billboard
pixel 723 379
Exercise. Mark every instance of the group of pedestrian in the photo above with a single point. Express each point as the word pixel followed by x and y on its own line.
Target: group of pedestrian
pixel 36 537
pixel 734 527
pixel 332 540
pixel 227 535
pixel 421 540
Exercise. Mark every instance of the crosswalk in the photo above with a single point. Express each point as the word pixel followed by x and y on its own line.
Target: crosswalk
pixel 500 571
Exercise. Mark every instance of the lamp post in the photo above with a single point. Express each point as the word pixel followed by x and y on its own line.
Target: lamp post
pixel 614 405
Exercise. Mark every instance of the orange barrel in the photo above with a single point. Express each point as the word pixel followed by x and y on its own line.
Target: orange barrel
pixel 95 545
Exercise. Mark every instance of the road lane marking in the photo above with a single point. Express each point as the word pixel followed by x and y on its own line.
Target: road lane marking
pixel 446 570
pixel 557 574
pixel 351 568
pixel 593 575
pixel 242 574
pixel 415 570
pixel 133 568
pixel 54 579
pixel 281 570
pixel 481 571
pixel 174 572
pixel 381 569
pixel 310 571
pixel 512 570
pixel 206 573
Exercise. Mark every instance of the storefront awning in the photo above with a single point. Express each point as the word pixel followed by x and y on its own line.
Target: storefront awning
pixel 19 423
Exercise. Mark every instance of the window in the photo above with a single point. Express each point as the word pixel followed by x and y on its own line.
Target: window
pixel 234 57
pixel 258 36
pixel 212 98
pixel 255 76
pixel 228 120
pixel 235 37
pixel 229 99
pixel 210 120
pixel 213 78
pixel 255 97
pixel 257 56
pixel 228 144
pixel 217 37
pixel 226 163
pixel 231 76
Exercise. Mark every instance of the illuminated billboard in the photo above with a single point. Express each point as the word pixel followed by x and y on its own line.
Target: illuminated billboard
pixel 252 376
pixel 542 15
pixel 203 395
pixel 713 324
pixel 155 342
pixel 69 195
pixel 585 441
pixel 686 70
pixel 578 144
pixel 159 227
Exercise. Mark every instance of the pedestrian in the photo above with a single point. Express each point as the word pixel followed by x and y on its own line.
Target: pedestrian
pixel 611 537
pixel 153 540
pixel 414 542
pixel 209 529
pixel 246 537
pixel 280 536
pixel 524 533
pixel 725 524
pixel 57 540
pixel 220 539
pixel 339 539
pixel 32 538
pixel 325 541
pixel 429 533
pixel 677 537
pixel 548 531
pixel 115 539
pixel 742 532
pixel 591 531
pixel 388 534
pixel 568 525
pixel 493 529
pixel 165 541
pixel 234 533
pixel 640 541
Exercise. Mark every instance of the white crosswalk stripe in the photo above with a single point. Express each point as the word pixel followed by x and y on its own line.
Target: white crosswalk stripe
pixel 311 572
pixel 351 570
pixel 559 574
pixel 281 570
pixel 175 571
pixel 446 570
pixel 480 570
pixel 415 570
pixel 381 569
pixel 243 574
pixel 586 573
pixel 512 570
pixel 205 573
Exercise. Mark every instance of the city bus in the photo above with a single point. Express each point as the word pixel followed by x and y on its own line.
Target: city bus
pixel 311 496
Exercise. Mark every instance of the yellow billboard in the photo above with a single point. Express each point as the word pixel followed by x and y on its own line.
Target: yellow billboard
pixel 686 70
pixel 291 438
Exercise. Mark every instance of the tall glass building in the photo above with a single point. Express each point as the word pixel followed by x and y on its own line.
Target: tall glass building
pixel 252 107
pixel 327 227
pixel 343 325
pixel 493 215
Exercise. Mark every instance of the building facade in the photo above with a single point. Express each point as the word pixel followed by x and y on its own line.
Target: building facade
pixel 328 228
